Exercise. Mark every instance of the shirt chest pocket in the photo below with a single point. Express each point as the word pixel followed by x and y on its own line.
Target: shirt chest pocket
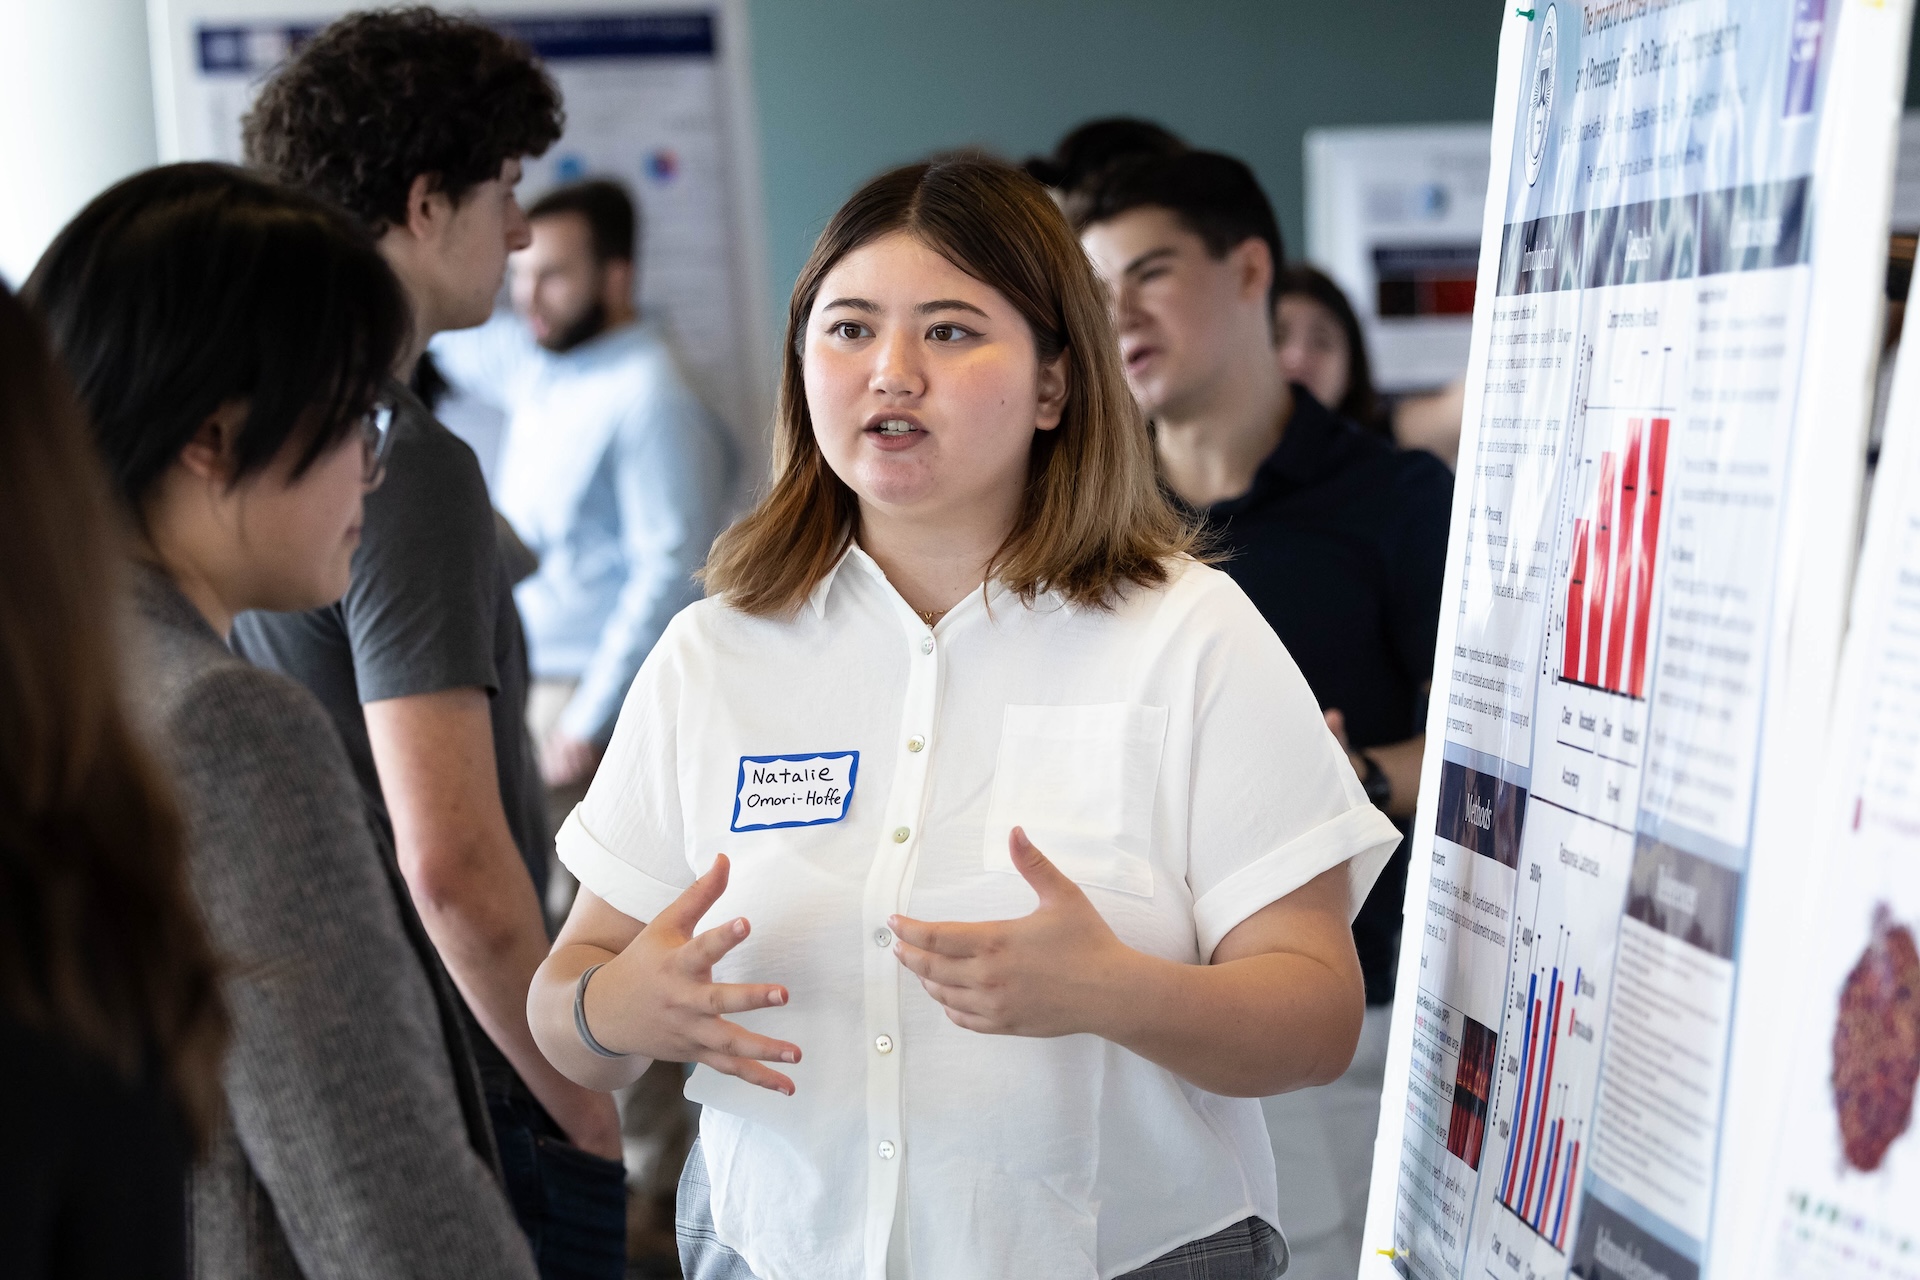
pixel 1080 781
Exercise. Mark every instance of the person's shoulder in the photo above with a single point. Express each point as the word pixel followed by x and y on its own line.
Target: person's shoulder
pixel 1419 489
pixel 249 709
pixel 432 475
pixel 1196 597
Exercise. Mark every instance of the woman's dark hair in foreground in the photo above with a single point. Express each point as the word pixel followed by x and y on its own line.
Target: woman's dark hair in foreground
pixel 1361 404
pixel 192 285
pixel 100 942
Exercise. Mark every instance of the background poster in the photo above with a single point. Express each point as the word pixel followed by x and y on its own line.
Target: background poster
pixel 656 95
pixel 1393 215
pixel 1674 331
pixel 1844 1191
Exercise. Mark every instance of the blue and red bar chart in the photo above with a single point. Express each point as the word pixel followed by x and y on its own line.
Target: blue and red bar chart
pixel 1543 1157
pixel 1610 583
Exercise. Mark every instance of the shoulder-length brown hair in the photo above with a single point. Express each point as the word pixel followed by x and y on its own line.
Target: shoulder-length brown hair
pixel 101 944
pixel 1094 518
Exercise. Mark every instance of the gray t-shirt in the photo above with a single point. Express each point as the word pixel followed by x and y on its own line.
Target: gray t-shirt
pixel 430 607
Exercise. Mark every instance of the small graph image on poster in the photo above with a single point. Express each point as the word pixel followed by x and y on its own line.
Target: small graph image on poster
pixel 1606 597
pixel 1573 877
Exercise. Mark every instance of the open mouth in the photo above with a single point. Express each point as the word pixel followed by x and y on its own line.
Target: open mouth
pixel 893 427
pixel 1138 358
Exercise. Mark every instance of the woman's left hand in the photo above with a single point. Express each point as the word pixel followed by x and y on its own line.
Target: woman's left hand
pixel 1052 972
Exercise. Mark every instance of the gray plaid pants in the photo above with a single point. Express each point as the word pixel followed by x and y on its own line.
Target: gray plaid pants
pixel 1247 1250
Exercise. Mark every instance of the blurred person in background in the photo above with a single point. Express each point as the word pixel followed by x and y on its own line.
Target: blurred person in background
pixel 111 1023
pixel 417 123
pixel 613 471
pixel 1089 148
pixel 1339 539
pixel 1318 340
pixel 229 340
pixel 1322 347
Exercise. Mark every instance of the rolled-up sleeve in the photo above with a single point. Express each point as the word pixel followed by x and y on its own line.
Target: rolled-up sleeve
pixel 624 841
pixel 1273 799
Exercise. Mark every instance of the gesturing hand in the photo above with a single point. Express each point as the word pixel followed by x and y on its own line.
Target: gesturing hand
pixel 1053 972
pixel 658 997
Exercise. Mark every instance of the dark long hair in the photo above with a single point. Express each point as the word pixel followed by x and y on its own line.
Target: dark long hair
pixel 1361 404
pixel 1093 519
pixel 100 941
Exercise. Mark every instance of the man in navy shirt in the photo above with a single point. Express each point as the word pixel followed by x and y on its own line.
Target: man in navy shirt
pixel 1338 539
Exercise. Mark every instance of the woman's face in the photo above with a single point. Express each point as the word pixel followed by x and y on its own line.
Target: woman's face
pixel 294 539
pixel 924 385
pixel 1312 348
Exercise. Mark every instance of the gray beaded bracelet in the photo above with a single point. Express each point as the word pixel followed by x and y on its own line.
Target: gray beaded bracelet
pixel 580 1017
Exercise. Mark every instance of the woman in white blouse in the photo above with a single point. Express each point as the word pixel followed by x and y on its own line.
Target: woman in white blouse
pixel 1048 855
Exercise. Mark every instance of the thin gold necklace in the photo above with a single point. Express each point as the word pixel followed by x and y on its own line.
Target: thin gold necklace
pixel 931 616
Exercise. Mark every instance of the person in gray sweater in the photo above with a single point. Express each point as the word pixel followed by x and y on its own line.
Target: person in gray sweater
pixel 229 339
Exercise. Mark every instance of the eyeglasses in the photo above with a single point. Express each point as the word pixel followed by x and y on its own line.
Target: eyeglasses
pixel 376 438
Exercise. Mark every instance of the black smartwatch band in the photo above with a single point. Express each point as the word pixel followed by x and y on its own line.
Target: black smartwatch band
pixel 1378 786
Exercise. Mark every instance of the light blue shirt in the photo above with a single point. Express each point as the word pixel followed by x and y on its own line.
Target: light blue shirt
pixel 616 475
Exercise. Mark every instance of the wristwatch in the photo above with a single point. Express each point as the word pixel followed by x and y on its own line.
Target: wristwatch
pixel 1376 783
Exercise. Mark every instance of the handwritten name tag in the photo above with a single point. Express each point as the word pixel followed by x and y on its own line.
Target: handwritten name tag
pixel 793 791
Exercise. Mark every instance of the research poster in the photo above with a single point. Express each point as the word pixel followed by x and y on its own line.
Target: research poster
pixel 1674 330
pixel 1844 1196
pixel 656 96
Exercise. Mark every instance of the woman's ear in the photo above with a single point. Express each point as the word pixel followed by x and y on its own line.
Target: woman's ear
pixel 1055 375
pixel 209 454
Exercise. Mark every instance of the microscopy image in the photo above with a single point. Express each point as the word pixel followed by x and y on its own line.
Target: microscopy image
pixel 1467 1127
pixel 1876 1044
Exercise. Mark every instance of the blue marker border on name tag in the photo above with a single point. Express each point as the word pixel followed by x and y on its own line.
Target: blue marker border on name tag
pixel 740 784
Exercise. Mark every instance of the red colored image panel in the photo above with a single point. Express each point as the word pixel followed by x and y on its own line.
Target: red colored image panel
pixel 1623 579
pixel 1603 559
pixel 1576 602
pixel 1648 543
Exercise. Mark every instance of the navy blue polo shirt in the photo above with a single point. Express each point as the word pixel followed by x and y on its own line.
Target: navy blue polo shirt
pixel 1341 544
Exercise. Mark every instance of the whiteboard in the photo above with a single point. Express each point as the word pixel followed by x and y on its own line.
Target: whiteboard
pixel 657 94
pixel 1675 329
pixel 1393 215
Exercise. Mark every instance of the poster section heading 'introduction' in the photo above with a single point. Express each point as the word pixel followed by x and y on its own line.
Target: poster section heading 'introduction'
pixel 1622 550
pixel 657 96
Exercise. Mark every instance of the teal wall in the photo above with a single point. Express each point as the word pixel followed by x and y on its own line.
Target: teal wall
pixel 846 88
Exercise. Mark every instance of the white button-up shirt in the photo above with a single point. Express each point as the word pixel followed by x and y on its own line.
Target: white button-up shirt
pixel 852 763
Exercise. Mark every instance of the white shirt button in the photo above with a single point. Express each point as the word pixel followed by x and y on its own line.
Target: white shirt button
pixel 882 938
pixel 886 1150
pixel 883 1043
pixel 916 743
pixel 926 644
pixel 900 835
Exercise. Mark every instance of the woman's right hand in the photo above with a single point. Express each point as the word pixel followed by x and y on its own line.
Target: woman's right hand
pixel 657 998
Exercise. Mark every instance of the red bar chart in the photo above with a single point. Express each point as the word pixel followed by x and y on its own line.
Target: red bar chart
pixel 1611 564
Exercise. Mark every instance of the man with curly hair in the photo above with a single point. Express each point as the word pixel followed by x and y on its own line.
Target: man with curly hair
pixel 417 123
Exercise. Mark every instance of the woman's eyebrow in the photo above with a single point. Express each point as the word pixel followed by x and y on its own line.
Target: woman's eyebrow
pixel 853 304
pixel 948 304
